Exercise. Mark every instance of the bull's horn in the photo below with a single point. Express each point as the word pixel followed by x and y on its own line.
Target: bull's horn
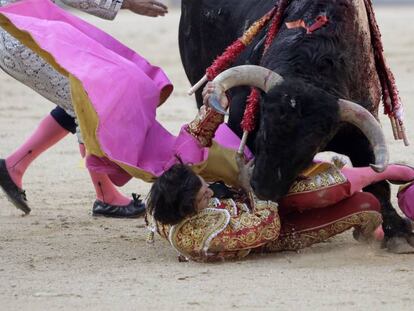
pixel 360 117
pixel 248 75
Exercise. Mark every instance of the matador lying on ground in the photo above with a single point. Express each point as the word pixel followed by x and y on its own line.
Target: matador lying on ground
pixel 124 140
pixel 207 222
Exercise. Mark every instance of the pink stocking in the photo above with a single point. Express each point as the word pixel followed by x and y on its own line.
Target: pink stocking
pixel 360 177
pixel 406 201
pixel 104 188
pixel 48 133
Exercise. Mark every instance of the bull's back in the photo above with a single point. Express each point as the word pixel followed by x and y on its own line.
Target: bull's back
pixel 338 57
pixel 207 27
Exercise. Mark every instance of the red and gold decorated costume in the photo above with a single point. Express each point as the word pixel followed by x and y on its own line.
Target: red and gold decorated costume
pixel 318 206
pixel 231 229
pixel 227 229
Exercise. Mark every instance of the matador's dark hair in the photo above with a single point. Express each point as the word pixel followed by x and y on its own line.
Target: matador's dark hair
pixel 172 196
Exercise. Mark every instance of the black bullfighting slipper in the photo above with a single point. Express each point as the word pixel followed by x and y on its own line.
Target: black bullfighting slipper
pixel 134 209
pixel 15 195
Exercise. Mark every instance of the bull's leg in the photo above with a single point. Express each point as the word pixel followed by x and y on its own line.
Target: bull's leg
pixel 399 237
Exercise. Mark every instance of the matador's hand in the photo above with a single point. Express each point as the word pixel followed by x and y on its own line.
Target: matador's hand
pixel 145 7
pixel 209 90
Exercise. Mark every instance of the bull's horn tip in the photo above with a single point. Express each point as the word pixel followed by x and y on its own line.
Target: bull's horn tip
pixel 379 168
pixel 219 109
pixel 215 104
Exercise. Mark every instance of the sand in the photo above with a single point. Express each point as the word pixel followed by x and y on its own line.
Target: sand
pixel 61 258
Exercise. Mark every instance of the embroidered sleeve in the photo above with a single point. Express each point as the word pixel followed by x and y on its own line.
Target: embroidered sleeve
pixel 248 230
pixel 204 126
pixel 106 9
pixel 226 231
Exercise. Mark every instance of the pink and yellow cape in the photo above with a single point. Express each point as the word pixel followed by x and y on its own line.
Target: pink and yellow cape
pixel 115 93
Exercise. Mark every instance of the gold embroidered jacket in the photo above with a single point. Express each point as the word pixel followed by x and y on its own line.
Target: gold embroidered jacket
pixel 227 229
pixel 231 229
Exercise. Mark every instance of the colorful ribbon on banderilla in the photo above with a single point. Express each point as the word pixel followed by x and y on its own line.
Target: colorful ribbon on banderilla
pixel 392 103
pixel 224 61
pixel 390 96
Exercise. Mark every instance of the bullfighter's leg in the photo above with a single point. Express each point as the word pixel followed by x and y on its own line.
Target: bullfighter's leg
pixel 303 229
pixel 399 237
pixel 108 198
pixel 48 133
pixel 406 200
pixel 361 177
pixel 51 130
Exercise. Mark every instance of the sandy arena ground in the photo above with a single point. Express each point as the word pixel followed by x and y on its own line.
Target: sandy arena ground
pixel 61 258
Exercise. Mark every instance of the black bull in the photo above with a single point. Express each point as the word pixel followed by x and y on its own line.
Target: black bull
pixel 300 117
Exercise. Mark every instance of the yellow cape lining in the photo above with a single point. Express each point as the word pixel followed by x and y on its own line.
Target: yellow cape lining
pixel 220 164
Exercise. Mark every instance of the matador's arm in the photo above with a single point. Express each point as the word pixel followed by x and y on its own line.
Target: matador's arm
pixel 204 126
pixel 106 9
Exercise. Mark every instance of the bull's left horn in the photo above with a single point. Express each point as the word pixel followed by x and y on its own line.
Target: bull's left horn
pixel 360 117
pixel 248 75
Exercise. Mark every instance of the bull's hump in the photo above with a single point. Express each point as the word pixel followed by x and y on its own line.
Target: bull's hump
pixel 338 57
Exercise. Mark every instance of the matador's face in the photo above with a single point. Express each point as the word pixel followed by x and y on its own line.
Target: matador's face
pixel 203 196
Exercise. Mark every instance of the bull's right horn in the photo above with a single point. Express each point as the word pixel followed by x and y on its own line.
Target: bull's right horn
pixel 360 117
pixel 248 75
